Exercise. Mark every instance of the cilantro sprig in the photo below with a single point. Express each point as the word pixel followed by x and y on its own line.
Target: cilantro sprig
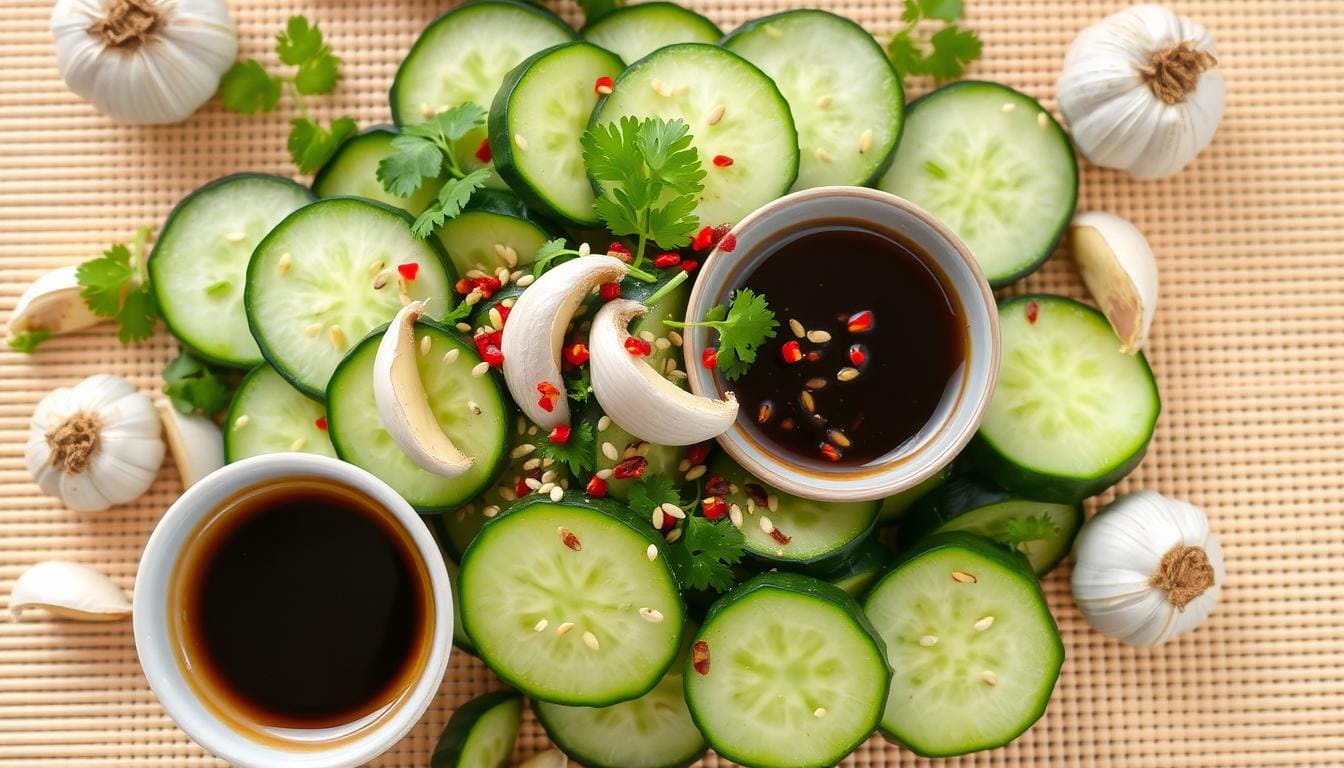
pixel 27 341
pixel 425 151
pixel 195 387
pixel 705 554
pixel 1020 531
pixel 743 327
pixel 247 88
pixel 575 453
pixel 116 285
pixel 947 52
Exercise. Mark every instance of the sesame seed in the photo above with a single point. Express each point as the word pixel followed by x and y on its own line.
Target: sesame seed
pixel 524 281
pixel 337 337
pixel 564 629
pixel 510 301
pixel 507 494
pixel 480 369
pixel 241 421
pixel 983 624
pixel 823 156
pixel 522 450
pixel 661 88
pixel 609 451
pixel 662 344
pixel 673 536
pixel 590 640
pixel 376 266
pixel 496 319
pixel 450 356
pixel 473 298
pixel 819 712
pixel 605 474
pixel 735 516
pixel 532 430
pixel 545 487
pixel 1008 107
pixel 766 525
pixel 285 263
pixel 463 327
pixel 647 336
pixel 669 366
pixel 585 249
pixel 474 408
pixel 492 510
pixel 499 250
pixel 809 403
pixel 235 237
pixel 540 626
pixel 839 438
pixel 424 345
pixel 557 493
pixel 696 472
pixel 797 328
pixel 672 510
pixel 818 337
pixel 675 338
pixel 928 641
pixel 520 141
pixel 772 503
pixel 548 476
pixel 381 280
pixel 824 101
pixel 531 464
pixel 865 141
pixel 522 421
pixel 643 449
pixel 715 115
pixel 1042 120
pixel 299 444
pixel 990 678
pixel 510 256
pixel 651 615
pixel 847 374
pixel 963 577
pixel 815 383
pixel 676 375
pixel 763 411
pixel 657 518
pixel 603 423
pixel 651 552
pixel 532 483
pixel 313 329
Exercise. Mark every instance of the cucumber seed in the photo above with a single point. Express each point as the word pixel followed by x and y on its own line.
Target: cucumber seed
pixel 564 629
pixel 590 640
pixel 541 625
pixel 983 624
pixel 928 641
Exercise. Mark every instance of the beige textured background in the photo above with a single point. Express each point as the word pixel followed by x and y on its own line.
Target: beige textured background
pixel 1248 349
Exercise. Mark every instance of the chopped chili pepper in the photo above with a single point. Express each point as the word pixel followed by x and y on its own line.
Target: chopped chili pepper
pixel 638 347
pixel 603 85
pixel 689 265
pixel 830 452
pixel 703 239
pixel 723 161
pixel 665 260
pixel 575 354
pixel 813 356
pixel 549 396
pixel 463 286
pixel 791 352
pixel 520 488
pixel 559 435
pixel 714 508
pixel 619 251
pixel 503 314
pixel 597 487
pixel 409 270
pixel 697 453
pixel 631 467
pixel 859 322
pixel 781 538
pixel 483 151
pixel 570 539
pixel 1033 309
pixel 488 346
pixel 728 243
pixel 858 355
pixel 700 657
pixel 717 485
pixel 487 286
pixel 610 291
pixel 321 423
pixel 709 358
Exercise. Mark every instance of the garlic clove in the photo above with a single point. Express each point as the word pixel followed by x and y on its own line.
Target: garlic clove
pixel 52 303
pixel 196 443
pixel 637 397
pixel 1120 271
pixel 70 590
pixel 536 331
pixel 551 758
pixel 403 404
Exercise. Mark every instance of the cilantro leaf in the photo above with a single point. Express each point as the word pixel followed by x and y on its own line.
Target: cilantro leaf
pixel 412 160
pixel 713 548
pixel 311 145
pixel 27 341
pixel 424 151
pixel 743 327
pixel 318 75
pixel 609 150
pixel 458 121
pixel 947 52
pixel 675 222
pixel 667 151
pixel 137 316
pixel 195 387
pixel 954 49
pixel 652 491
pixel 943 10
pixel 1022 530
pixel 548 252
pixel 115 285
pixel 246 88
pixel 575 453
pixel 458 313
pixel 300 42
pixel 580 387
pixel 452 198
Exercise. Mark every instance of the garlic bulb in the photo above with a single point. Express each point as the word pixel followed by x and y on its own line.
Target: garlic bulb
pixel 71 590
pixel 1148 569
pixel 1141 91
pixel 1120 271
pixel 144 61
pixel 95 444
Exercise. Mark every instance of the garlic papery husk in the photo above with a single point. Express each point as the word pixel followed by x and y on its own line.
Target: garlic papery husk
pixel 95 444
pixel 53 304
pixel 71 590
pixel 536 330
pixel 1120 271
pixel 637 397
pixel 144 61
pixel 1141 91
pixel 403 403
pixel 196 442
pixel 1148 569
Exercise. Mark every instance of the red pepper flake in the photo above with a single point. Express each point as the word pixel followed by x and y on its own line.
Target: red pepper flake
pixel 637 346
pixel 610 291
pixel 487 286
pixel 689 265
pixel 697 453
pixel 503 314
pixel 714 508
pixel 665 260
pixel 549 396
pixel 717 485
pixel 559 435
pixel 780 537
pixel 597 487
pixel 709 358
pixel 830 452
pixel 813 356
pixel 860 322
pixel 630 468
pixel 723 161
pixel 728 243
pixel 483 151
pixel 700 657
pixel 791 352
pixel 321 423
pixel 1033 309
pixel 409 270
pixel 703 239
pixel 757 494
pixel 575 354
pixel 603 85
pixel 463 286
pixel 858 354
pixel 488 346
pixel 619 251
pixel 520 488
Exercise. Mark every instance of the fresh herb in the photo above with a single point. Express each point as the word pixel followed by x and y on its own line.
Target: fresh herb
pixel 457 314
pixel 195 387
pixel 652 491
pixel 247 88
pixel 423 152
pixel 709 549
pixel 116 285
pixel 1019 531
pixel 580 387
pixel 947 52
pixel 650 176
pixel 743 327
pixel 575 453
pixel 27 341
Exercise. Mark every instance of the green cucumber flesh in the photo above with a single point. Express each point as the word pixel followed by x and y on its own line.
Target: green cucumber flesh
pixel 975 649
pixel 994 166
pixel 198 266
pixel 455 395
pixel 754 128
pixel 493 218
pixel 353 171
pixel 635 31
pixel 481 733
pixel 562 622
pixel 270 416
pixel 310 293
pixel 845 96
pixel 1071 414
pixel 895 506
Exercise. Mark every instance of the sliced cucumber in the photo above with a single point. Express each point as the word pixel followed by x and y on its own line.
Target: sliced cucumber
pixel 481 733
pixel 546 102
pixel 786 672
pixel 976 650
pixel 310 291
pixel 994 166
pixel 857 572
pixel 557 599
pixel 804 531
pixel 1042 531
pixel 353 171
pixel 472 411
pixel 1072 414
pixel 270 416
pixel 895 506
pixel 635 31
pixel 460 639
pixel 198 266
pixel 845 96
pixel 733 109
pixel 493 218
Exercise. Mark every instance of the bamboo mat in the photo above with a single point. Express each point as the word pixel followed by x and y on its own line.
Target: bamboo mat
pixel 1248 348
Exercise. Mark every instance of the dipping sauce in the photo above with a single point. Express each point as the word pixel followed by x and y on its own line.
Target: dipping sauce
pixel 869 343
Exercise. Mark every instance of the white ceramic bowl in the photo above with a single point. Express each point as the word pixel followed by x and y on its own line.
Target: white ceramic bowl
pixel 959 414
pixel 290 748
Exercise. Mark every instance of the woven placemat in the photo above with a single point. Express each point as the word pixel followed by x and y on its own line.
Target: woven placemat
pixel 1248 348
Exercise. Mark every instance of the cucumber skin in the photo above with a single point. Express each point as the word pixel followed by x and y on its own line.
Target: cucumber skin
pixel 168 222
pixel 590 24
pixel 1044 486
pixel 588 762
pixel 869 558
pixel 448 750
pixel 894 507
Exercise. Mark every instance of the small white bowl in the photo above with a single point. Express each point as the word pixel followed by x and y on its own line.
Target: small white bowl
pixel 959 414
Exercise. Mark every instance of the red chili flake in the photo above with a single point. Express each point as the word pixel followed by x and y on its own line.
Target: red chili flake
pixel 791 352
pixel 1033 309
pixel 714 508
pixel 610 291
pixel 503 314
pixel 717 485
pixel 487 286
pixel 619 251
pixel 860 322
pixel 689 265
pixel 703 239
pixel 665 260
pixel 720 231
pixel 597 487
pixel 559 435
pixel 697 453
pixel 830 452
pixel 321 423
pixel 709 358
pixel 463 286
pixel 631 467
pixel 488 346
pixel 575 354
pixel 812 356
pixel 728 243
pixel 520 487
pixel 483 151
pixel 700 657
pixel 781 538
pixel 723 161
pixel 637 346
pixel 549 396
pixel 858 354
pixel 408 270
pixel 757 494
pixel 603 85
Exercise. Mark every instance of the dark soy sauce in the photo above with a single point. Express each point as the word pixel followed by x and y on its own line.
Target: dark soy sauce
pixel 304 606
pixel 897 345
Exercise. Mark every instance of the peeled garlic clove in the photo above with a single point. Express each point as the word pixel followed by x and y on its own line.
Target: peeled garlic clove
pixel 536 331
pixel 637 397
pixel 196 443
pixel 52 303
pixel 551 758
pixel 70 590
pixel 1120 271
pixel 403 404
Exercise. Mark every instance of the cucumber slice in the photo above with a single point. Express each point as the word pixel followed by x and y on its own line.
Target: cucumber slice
pixel 493 218
pixel 994 166
pixel 270 416
pixel 786 672
pixel 755 128
pixel 857 572
pixel 310 291
pixel 546 101
pixel 460 639
pixel 806 532
pixel 1072 414
pixel 975 646
pixel 593 647
pixel 895 506
pixel 635 31
pixel 845 96
pixel 353 171
pixel 481 733
pixel 198 266
pixel 360 438
pixel 1042 531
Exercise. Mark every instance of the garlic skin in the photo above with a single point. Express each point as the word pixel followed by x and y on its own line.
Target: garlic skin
pixel 1141 91
pixel 1120 271
pixel 70 590
pixel 144 61
pixel 1148 569
pixel 52 303
pixel 95 444
pixel 195 442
